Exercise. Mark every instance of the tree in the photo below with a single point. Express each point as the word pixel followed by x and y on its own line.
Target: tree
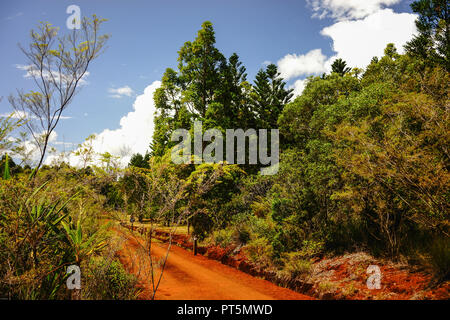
pixel 433 41
pixel 86 150
pixel 57 65
pixel 269 96
pixel 231 106
pixel 340 67
pixel 170 112
pixel 199 63
pixel 139 161
pixel 206 86
pixel 109 163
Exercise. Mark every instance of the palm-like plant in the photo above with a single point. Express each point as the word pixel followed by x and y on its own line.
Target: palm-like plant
pixel 82 246
pixel 339 66
pixel 43 220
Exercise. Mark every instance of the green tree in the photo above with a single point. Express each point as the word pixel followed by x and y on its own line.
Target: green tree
pixel 85 151
pixel 269 97
pixel 199 63
pixel 231 106
pixel 139 161
pixel 433 41
pixel 340 67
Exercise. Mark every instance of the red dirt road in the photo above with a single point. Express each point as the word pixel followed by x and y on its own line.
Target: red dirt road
pixel 189 277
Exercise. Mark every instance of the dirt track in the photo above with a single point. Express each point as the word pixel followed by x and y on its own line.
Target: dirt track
pixel 189 277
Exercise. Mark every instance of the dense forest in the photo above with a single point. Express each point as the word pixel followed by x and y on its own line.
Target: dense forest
pixel 364 166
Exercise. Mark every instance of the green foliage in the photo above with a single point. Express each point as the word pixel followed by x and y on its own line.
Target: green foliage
pixel 139 161
pixel 260 252
pixel 7 126
pixel 211 88
pixel 295 266
pixel 37 240
pixel 269 97
pixel 311 248
pixel 6 173
pixel 432 44
pixel 339 66
pixel 108 280
pixel 223 237
pixel 81 246
pixel 364 165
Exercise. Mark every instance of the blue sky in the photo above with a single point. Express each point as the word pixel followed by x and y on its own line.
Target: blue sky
pixel 302 37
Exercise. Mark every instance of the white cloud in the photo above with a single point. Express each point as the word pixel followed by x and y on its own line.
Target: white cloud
pixel 347 9
pixel 135 132
pixel 18 114
pixel 355 41
pixel 358 41
pixel 292 65
pixel 120 92
pixel 298 86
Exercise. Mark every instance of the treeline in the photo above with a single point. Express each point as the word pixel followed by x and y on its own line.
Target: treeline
pixel 211 88
pixel 364 153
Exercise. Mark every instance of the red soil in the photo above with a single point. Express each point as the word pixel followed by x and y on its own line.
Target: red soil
pixel 192 277
pixel 341 277
pixel 346 278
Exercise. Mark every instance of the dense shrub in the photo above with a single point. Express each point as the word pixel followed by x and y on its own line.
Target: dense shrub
pixel 108 279
pixel 223 237
pixel 440 258
pixel 295 265
pixel 260 252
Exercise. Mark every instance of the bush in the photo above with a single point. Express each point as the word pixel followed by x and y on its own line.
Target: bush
pixel 311 248
pixel 295 266
pixel 202 225
pixel 241 235
pixel 223 237
pixel 261 208
pixel 440 257
pixel 260 252
pixel 108 280
pixel 262 227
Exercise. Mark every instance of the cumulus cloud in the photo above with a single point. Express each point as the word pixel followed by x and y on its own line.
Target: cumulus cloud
pixel 355 41
pixel 120 92
pixel 293 65
pixel 134 134
pixel 347 9
pixel 358 41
